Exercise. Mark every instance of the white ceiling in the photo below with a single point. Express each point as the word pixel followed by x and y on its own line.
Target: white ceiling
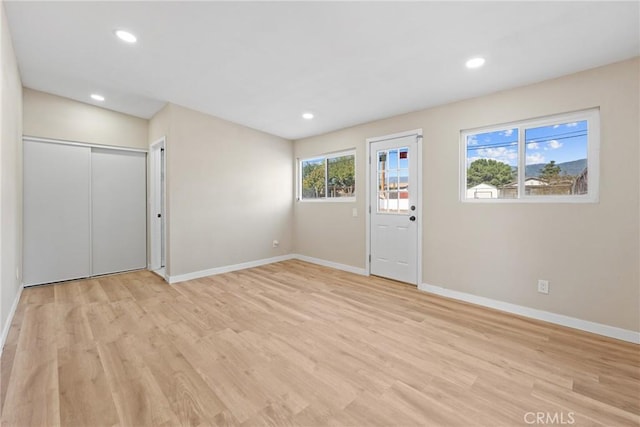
pixel 262 64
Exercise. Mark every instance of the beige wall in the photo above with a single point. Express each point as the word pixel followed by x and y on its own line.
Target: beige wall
pixel 328 230
pixel 51 116
pixel 589 252
pixel 10 173
pixel 159 124
pixel 229 191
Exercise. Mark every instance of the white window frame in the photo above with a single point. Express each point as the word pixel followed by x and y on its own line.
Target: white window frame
pixel 326 157
pixel 592 116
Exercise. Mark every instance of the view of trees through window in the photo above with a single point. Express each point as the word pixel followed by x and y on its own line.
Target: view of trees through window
pixel 313 179
pixel 555 161
pixel 328 177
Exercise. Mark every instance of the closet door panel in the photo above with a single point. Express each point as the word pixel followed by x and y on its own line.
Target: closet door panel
pixel 56 212
pixel 118 205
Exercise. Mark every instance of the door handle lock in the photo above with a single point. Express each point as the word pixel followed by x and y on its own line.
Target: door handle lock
pixel 412 218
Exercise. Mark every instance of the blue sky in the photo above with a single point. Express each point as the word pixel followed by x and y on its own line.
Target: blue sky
pixel 392 159
pixel 397 166
pixel 562 143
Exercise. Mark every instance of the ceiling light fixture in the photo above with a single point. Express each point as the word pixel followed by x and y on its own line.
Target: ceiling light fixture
pixel 126 36
pixel 97 97
pixel 307 116
pixel 476 62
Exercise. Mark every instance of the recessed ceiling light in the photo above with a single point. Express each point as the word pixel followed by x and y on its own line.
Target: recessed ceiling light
pixel 476 62
pixel 126 36
pixel 97 97
pixel 307 116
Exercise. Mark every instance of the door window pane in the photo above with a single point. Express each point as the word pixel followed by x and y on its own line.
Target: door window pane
pixel 393 180
pixel 404 158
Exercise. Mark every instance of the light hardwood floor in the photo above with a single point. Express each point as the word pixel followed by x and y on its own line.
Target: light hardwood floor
pixel 297 344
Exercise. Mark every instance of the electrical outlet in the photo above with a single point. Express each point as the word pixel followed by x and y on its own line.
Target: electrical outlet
pixel 543 286
pixel 276 243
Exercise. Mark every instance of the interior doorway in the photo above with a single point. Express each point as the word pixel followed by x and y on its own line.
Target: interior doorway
pixel 157 206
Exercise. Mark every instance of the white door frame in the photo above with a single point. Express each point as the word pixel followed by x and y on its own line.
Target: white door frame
pixel 156 240
pixel 368 207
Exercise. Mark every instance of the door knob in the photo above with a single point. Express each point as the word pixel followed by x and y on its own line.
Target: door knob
pixel 412 218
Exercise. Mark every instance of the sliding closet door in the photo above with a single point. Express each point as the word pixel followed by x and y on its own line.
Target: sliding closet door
pixel 118 205
pixel 56 212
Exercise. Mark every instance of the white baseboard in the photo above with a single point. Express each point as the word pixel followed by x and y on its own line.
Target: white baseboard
pixel 226 269
pixel 265 261
pixel 331 264
pixel 7 324
pixel 558 319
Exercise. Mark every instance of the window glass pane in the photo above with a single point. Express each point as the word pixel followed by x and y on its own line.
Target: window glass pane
pixel 403 202
pixel 341 176
pixel 556 159
pixel 382 160
pixel 393 201
pixel 403 179
pixel 404 158
pixel 383 202
pixel 492 164
pixel 392 178
pixel 393 159
pixel 383 182
pixel 313 178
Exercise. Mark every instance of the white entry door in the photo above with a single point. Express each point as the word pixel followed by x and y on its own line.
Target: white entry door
pixel 394 201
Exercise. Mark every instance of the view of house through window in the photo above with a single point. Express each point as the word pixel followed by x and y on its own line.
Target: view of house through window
pixel 541 159
pixel 328 177
pixel 492 164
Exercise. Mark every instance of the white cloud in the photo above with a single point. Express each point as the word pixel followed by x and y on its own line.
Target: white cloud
pixel 508 132
pixel 570 125
pixel 472 140
pixel 533 146
pixel 556 126
pixel 553 144
pixel 535 158
pixel 501 154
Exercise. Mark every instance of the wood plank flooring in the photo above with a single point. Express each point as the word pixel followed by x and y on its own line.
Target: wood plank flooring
pixel 297 344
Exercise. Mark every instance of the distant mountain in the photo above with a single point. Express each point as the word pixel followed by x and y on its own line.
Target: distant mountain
pixel 572 168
